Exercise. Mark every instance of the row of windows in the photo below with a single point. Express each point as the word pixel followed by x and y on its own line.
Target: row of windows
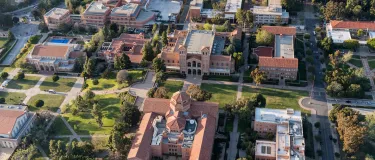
pixel 172 61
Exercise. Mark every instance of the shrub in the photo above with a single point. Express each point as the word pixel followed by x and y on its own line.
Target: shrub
pixel 95 82
pixel 33 39
pixel 55 78
pixel 20 75
pixel 337 155
pixel 161 92
pixel 150 93
pixel 4 75
pixel 122 76
pixel 2 100
pixel 39 103
pixel 306 36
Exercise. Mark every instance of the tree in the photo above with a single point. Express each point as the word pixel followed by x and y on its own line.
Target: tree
pixel 360 33
pixel 258 76
pixel 327 44
pixel 351 44
pixel 200 95
pixel 130 114
pixel 347 56
pixel 160 77
pixel 371 43
pixel 4 75
pixel 207 26
pixel 238 59
pixel 292 5
pixel 335 89
pixel 122 62
pixel 158 65
pixel 147 51
pixel 89 67
pixel 264 38
pixel 89 95
pixel 164 38
pixel 230 49
pixel 55 78
pixel 357 10
pixel 334 10
pixel 28 153
pixel 97 114
pixel 227 27
pixel 20 75
pixel 122 76
pixel 154 28
pixel 39 103
pixel 161 92
pixel 306 36
pixel 119 144
pixel 169 29
pixel 2 100
pixel 56 148
pixel 370 122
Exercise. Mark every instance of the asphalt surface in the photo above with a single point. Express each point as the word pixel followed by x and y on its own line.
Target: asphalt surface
pixel 319 101
pixel 15 51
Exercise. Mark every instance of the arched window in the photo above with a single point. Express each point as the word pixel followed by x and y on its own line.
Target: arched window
pixel 194 64
pixel 189 64
pixel 199 64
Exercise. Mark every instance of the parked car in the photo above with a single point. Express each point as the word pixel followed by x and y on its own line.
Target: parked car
pixel 52 91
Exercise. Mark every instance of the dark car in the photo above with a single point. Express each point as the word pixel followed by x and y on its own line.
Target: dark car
pixel 348 101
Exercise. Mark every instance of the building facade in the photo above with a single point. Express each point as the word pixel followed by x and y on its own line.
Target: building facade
pixel 179 127
pixel 197 52
pixel 96 14
pixel 129 44
pixel 131 15
pixel 340 31
pixel 286 125
pixel 271 14
pixel 16 121
pixel 56 17
pixel 55 57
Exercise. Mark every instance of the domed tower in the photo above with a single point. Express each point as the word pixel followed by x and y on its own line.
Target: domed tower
pixel 180 101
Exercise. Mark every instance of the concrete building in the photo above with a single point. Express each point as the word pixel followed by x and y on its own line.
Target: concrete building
pixel 96 14
pixel 340 31
pixel 180 128
pixel 56 17
pixel 278 62
pixel 198 52
pixel 55 57
pixel 129 44
pixel 131 15
pixel 231 8
pixel 15 122
pixel 286 125
pixel 271 14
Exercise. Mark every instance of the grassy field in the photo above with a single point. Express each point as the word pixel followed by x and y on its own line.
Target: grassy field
pixel 51 102
pixel 84 122
pixel 172 86
pixel 5 69
pixel 221 94
pixel 277 98
pixel 356 62
pixel 26 83
pixel 59 127
pixel 13 97
pixel 111 83
pixel 371 63
pixel 3 41
pixel 18 61
pixel 100 143
pixel 62 85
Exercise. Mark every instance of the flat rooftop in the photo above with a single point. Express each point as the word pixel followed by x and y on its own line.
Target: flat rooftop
pixel 283 143
pixel 96 8
pixel 52 49
pixel 165 8
pixel 265 148
pixel 56 12
pixel 284 46
pixel 276 115
pixel 196 39
pixel 267 10
pixel 339 36
pixel 232 6
pixel 274 2
pixel 129 9
pixel 196 4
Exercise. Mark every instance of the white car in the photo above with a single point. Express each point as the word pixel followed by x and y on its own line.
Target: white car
pixel 52 91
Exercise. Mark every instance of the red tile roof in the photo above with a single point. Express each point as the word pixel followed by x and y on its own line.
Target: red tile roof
pixel 353 24
pixel 263 51
pixel 278 62
pixel 280 30
pixel 157 105
pixel 50 50
pixel 141 148
pixel 8 119
pixel 220 58
pixel 204 139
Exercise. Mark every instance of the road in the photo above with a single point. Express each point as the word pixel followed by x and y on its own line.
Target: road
pixel 319 101
pixel 15 51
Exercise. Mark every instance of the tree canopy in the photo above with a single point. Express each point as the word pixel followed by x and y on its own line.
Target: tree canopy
pixel 264 38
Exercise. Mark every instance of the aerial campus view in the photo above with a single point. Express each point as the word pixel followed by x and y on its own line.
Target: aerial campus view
pixel 187 79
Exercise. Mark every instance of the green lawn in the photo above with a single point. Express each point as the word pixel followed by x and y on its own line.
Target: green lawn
pixel 172 86
pixel 59 127
pixel 371 63
pixel 356 62
pixel 62 85
pixel 277 98
pixel 84 123
pixel 51 102
pixel 6 69
pixel 19 60
pixel 100 143
pixel 26 83
pixel 3 41
pixel 229 124
pixel 13 97
pixel 221 94
pixel 111 83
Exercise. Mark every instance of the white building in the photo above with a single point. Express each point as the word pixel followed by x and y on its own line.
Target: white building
pixel 15 122
pixel 341 31
pixel 231 8
pixel 271 14
pixel 286 125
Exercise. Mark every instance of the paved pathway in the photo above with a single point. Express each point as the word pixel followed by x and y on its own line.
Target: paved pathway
pixel 15 51
pixel 141 89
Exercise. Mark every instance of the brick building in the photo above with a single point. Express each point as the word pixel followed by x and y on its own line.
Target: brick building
pixel 96 14
pixel 56 17
pixel 131 15
pixel 198 52
pixel 286 125
pixel 179 127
